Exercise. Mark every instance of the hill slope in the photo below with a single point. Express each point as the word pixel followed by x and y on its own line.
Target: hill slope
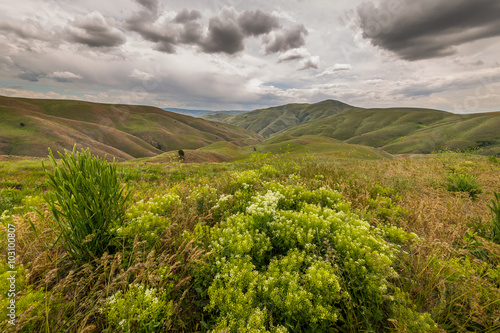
pixel 396 130
pixel 268 121
pixel 29 126
pixel 406 130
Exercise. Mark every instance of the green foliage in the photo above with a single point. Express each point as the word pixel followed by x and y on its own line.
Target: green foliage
pixel 493 159
pixel 383 206
pixel 87 199
pixel 9 198
pixel 495 221
pixel 137 310
pixel 277 271
pixel 459 180
pixel 147 219
pixel 26 298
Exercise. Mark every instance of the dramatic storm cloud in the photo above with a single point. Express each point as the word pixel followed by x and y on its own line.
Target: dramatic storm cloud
pixel 222 54
pixel 257 22
pixel 224 34
pixel 425 29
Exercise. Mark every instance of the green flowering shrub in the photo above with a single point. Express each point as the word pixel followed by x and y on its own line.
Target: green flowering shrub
pixel 298 260
pixel 137 310
pixel 244 179
pixel 204 197
pixel 148 219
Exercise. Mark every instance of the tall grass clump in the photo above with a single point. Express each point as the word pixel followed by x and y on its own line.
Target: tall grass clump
pixel 87 198
pixel 495 221
pixel 463 182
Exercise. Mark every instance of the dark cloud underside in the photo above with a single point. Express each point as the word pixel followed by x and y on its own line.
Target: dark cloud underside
pixel 425 29
pixel 257 22
pixel 224 34
pixel 32 77
pixel 290 38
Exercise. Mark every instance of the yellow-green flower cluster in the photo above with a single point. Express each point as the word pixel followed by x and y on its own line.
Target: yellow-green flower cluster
pixel 148 218
pixel 139 309
pixel 274 272
pixel 244 179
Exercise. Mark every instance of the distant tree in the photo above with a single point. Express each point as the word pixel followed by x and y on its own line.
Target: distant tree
pixel 181 154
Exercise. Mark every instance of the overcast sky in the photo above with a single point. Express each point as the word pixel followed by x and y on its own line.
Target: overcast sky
pixel 236 54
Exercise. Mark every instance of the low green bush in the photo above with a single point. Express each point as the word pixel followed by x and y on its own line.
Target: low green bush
pixel 138 310
pixel 298 260
pixel 86 199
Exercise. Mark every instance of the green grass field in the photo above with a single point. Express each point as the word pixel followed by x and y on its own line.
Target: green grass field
pixel 335 237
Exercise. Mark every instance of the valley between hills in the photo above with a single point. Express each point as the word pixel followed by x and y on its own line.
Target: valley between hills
pixel 29 126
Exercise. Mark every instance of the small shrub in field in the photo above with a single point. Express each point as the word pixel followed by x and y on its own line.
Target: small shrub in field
pixel 495 221
pixel 493 159
pixel 87 199
pixel 148 218
pixel 298 260
pixel 137 310
pixel 463 182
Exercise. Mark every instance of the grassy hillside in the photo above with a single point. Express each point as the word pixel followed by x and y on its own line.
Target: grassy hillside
pixel 269 121
pixel 29 126
pixel 309 146
pixel 395 130
pixel 402 131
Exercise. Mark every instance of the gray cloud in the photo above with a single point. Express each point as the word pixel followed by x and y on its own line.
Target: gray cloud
pixel 257 22
pixel 93 30
pixel 185 16
pixel 30 76
pixel 224 34
pixel 151 5
pixel 426 29
pixel 27 29
pixel 191 31
pixel 306 61
pixel 144 23
pixel 290 38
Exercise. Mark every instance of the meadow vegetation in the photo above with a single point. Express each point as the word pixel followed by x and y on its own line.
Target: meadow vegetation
pixel 291 242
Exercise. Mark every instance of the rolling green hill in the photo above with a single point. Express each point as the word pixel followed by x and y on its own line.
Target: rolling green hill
pixel 29 126
pixel 395 130
pixel 269 121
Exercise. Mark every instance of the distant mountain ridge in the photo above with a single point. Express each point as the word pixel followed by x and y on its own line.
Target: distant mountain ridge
pixel 202 113
pixel 395 130
pixel 29 126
